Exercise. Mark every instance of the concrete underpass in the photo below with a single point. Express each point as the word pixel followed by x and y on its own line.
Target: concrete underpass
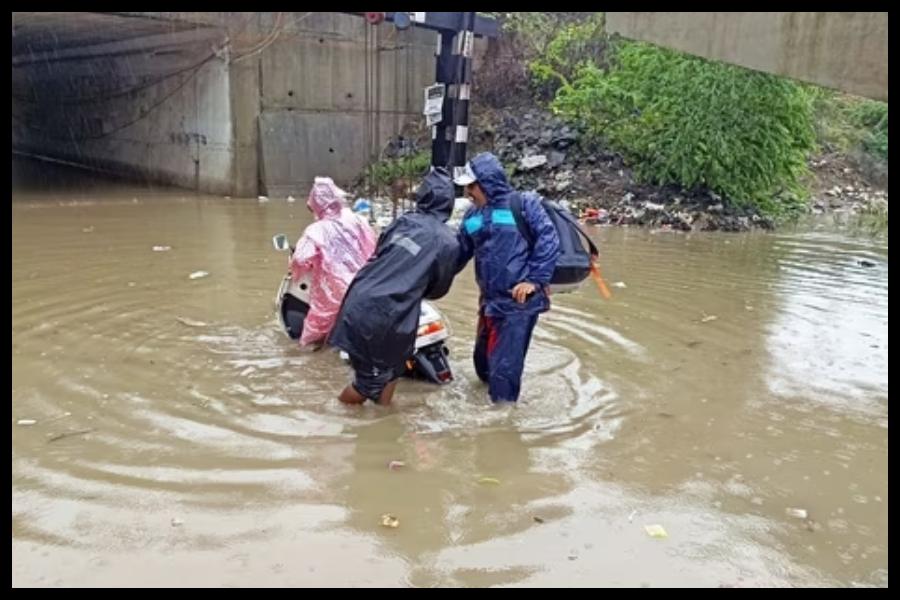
pixel 230 103
pixel 252 103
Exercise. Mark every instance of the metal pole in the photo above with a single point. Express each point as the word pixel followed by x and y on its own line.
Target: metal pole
pixel 462 93
pixel 440 145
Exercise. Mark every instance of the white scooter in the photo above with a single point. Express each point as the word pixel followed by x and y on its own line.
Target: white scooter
pixel 429 360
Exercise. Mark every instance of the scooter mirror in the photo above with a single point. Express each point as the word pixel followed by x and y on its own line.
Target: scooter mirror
pixel 280 242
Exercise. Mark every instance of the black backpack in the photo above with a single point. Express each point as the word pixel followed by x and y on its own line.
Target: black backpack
pixel 574 262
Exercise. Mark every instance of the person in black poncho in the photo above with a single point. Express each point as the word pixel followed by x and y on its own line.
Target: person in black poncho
pixel 415 259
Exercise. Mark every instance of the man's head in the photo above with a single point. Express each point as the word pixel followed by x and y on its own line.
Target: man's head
pixel 435 194
pixel 467 180
pixel 482 178
pixel 476 194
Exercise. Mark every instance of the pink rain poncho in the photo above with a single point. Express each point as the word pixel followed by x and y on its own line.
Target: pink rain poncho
pixel 331 251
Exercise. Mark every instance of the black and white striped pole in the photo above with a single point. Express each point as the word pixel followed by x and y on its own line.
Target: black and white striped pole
pixel 444 75
pixel 456 33
pixel 449 137
pixel 460 93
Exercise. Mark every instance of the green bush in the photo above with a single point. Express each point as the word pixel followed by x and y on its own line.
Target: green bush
pixel 574 46
pixel 386 172
pixel 872 117
pixel 535 53
pixel 684 120
pixel 847 123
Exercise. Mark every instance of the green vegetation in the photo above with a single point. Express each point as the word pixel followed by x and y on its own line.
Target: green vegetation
pixel 385 172
pixel 680 119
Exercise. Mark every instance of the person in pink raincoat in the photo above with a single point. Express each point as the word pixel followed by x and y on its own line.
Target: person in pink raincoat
pixel 330 252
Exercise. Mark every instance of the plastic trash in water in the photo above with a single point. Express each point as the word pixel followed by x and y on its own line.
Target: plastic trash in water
pixel 190 322
pixel 161 248
pixel 797 513
pixel 362 205
pixel 396 464
pixel 656 531
pixel 198 274
pixel 620 284
pixel 291 199
pixel 390 521
pixel 490 480
pixel 26 422
pixel 708 318
pixel 263 198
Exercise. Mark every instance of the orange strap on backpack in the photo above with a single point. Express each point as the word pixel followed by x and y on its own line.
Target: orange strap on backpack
pixel 598 279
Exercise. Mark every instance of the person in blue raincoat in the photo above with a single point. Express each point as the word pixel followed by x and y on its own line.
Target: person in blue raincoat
pixel 513 275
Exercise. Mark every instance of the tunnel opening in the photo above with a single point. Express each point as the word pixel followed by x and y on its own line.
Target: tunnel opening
pixel 124 97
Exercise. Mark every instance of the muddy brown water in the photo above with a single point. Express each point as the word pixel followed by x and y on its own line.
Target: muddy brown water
pixel 181 439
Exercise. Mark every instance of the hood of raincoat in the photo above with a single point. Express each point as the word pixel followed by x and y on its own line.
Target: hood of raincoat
pixel 436 194
pixel 490 176
pixel 326 199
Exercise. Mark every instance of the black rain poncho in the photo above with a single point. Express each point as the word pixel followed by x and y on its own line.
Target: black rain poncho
pixel 415 259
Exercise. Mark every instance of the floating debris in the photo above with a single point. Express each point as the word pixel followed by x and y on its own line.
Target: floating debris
pixel 656 531
pixel 797 513
pixel 190 322
pixel 263 199
pixel 26 422
pixel 708 318
pixel 161 248
pixel 396 464
pixel 491 480
pixel 198 274
pixel 537 519
pixel 62 436
pixel 390 521
pixel 620 284
pixel 176 522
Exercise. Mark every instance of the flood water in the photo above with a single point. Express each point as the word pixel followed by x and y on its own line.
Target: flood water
pixel 181 439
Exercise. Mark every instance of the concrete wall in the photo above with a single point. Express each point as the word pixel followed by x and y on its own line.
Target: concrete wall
pixel 112 111
pixel 258 118
pixel 314 115
pixel 847 51
pixel 300 105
